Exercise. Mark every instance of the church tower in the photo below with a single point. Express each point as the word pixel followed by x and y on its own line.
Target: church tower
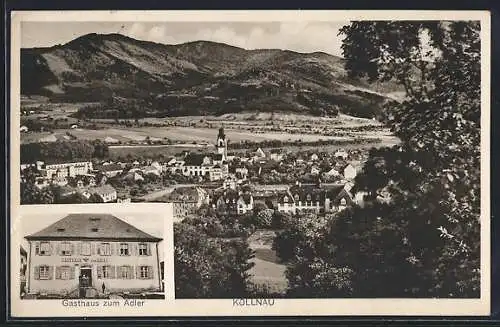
pixel 222 144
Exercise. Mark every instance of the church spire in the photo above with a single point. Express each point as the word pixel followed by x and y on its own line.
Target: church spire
pixel 221 134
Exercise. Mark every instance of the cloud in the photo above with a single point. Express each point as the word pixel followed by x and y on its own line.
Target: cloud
pixel 295 36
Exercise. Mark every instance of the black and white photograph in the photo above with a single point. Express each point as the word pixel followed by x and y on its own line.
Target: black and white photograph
pixel 306 156
pixel 91 255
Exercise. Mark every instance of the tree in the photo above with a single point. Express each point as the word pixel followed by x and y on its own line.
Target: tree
pixel 207 267
pixel 421 218
pixel 264 218
pixel 30 194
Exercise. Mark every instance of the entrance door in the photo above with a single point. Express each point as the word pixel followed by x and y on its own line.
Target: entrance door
pixel 85 277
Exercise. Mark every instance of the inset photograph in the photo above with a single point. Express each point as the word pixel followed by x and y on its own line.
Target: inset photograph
pixel 92 255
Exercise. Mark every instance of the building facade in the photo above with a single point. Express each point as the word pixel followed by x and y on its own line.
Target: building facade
pixel 314 198
pixel 70 169
pixel 80 253
pixel 187 200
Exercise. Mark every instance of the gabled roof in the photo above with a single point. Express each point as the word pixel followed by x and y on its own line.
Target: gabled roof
pixel 185 194
pixel 92 226
pixel 194 159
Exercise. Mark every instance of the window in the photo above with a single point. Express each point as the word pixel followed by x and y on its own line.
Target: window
pixel 124 249
pixel 105 272
pixel 66 248
pixel 125 272
pixel 65 272
pixel 343 202
pixel 85 248
pixel 285 199
pixel 143 249
pixel 105 249
pixel 44 248
pixel 144 272
pixel 43 272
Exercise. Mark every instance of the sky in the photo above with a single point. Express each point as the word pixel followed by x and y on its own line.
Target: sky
pixel 300 36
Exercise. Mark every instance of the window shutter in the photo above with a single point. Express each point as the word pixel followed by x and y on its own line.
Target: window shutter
pixel 51 248
pixel 72 273
pixel 72 248
pixel 51 272
pixel 58 272
pixel 148 245
pixel 112 248
pixel 37 248
pixel 138 272
pixel 112 271
pixel 132 249
pixel 150 272
pixel 58 248
pixel 79 248
pixel 92 248
pixel 99 272
pixel 37 272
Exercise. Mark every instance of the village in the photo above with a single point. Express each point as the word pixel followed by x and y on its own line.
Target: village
pixel 231 183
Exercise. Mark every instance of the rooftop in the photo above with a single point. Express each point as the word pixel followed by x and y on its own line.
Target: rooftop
pixel 92 226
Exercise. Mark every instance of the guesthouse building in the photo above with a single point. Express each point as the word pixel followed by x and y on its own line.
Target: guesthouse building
pixel 77 255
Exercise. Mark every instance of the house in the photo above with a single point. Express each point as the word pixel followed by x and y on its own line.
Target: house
pixel 259 154
pixel 106 192
pixel 77 254
pixel 204 165
pixel 216 173
pixel 233 202
pixel 230 182
pixel 111 170
pixel 276 154
pixel 157 166
pixel 332 173
pixel 241 172
pixel 187 200
pixel 314 198
pixel 350 171
pixel 315 170
pixel 314 157
pixel 245 203
pixel 133 176
pixel 69 169
pixel 23 129
pixel 150 170
pixel 171 161
pixel 60 180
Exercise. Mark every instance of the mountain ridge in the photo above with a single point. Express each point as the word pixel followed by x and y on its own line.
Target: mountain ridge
pixel 202 77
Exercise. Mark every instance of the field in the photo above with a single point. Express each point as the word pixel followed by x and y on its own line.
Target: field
pixel 192 134
pixel 198 133
pixel 267 269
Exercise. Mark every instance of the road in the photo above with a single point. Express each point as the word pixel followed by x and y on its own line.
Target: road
pixel 165 191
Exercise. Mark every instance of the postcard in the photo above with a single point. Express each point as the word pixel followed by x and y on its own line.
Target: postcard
pixel 250 163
